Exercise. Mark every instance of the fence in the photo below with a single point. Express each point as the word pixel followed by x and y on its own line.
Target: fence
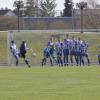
pixel 50 23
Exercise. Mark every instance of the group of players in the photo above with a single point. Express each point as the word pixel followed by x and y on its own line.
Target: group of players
pixel 19 53
pixel 70 51
pixel 60 52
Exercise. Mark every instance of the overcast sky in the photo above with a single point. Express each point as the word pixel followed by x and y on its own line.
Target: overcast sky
pixel 9 4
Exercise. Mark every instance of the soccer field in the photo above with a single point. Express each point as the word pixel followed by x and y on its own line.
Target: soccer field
pixel 50 83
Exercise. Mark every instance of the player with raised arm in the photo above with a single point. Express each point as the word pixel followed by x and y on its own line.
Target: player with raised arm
pixel 23 50
pixel 14 51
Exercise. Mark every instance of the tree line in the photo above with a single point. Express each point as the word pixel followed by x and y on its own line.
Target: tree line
pixel 46 8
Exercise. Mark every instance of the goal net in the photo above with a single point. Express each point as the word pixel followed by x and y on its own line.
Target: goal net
pixel 37 40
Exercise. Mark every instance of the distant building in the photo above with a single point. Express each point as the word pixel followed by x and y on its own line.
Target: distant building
pixel 7 12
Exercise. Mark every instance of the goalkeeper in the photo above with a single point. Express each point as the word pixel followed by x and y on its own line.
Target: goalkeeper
pixel 14 51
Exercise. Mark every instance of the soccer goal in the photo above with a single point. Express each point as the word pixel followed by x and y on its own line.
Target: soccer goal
pixel 37 39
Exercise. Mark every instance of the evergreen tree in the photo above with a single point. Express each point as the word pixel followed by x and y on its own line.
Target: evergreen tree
pixel 67 12
pixel 47 8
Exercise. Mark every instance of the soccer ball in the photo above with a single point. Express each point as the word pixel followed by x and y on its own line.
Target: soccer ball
pixel 34 54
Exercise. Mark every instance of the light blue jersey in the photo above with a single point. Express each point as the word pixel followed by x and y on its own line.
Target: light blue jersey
pixel 14 50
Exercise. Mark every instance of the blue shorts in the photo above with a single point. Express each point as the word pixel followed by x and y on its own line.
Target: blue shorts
pixel 85 54
pixel 72 52
pixel 59 53
pixel 99 56
pixel 65 51
pixel 46 55
pixel 77 53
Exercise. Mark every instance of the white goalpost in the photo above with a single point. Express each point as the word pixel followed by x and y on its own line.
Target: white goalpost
pixel 35 39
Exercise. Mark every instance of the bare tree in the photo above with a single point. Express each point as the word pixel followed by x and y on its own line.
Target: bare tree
pixel 18 4
pixel 92 18
pixel 92 15
pixel 93 3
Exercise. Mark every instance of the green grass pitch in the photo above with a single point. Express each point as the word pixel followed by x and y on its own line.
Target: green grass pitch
pixel 50 83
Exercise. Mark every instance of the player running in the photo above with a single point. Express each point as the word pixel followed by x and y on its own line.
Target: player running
pixel 23 50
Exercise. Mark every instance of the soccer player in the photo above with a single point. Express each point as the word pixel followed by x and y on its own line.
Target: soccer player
pixel 14 51
pixel 23 50
pixel 85 52
pixel 65 51
pixel 66 44
pixel 47 54
pixel 53 53
pixel 78 49
pixel 72 50
pixel 59 46
pixel 99 56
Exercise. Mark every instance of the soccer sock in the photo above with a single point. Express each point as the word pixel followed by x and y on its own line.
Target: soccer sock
pixel 71 59
pixel 83 61
pixel 58 62
pixel 27 63
pixel 17 63
pixel 51 62
pixel 67 60
pixel 64 60
pixel 43 61
pixel 61 62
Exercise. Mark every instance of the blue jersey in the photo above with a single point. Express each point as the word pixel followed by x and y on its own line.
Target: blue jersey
pixel 59 46
pixel 50 46
pixel 66 44
pixel 72 46
pixel 65 47
pixel 46 52
pixel 77 47
pixel 85 48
